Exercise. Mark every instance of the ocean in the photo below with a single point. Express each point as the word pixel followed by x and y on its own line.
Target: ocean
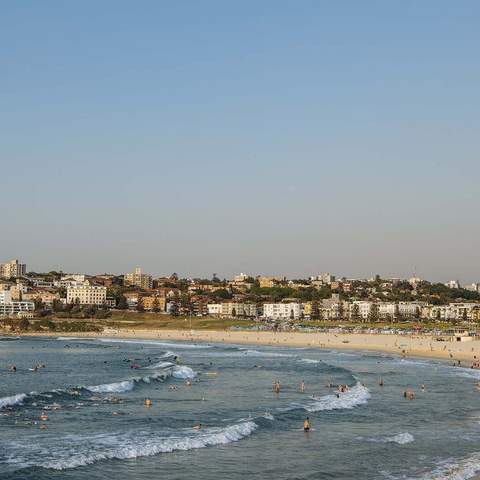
pixel 91 395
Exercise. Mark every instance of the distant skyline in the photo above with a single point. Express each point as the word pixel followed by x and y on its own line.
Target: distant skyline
pixel 265 137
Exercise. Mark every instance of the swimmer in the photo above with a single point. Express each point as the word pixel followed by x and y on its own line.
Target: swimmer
pixel 148 402
pixel 188 383
pixel 13 368
pixel 381 382
pixel 306 425
pixel 423 387
pixel 197 426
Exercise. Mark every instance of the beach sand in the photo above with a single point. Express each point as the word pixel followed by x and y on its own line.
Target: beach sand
pixel 407 345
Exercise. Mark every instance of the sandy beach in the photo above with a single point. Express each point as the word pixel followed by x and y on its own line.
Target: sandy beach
pixel 407 345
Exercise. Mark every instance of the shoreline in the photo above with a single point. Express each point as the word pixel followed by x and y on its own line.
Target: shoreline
pixel 403 345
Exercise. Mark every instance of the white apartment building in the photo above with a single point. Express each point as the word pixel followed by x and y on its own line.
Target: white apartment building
pixel 87 295
pixel 12 269
pixel 76 277
pixel 452 311
pixel 10 308
pixel 473 287
pixel 364 308
pixel 453 284
pixel 282 311
pixel 214 309
pixel 232 309
pixel 138 279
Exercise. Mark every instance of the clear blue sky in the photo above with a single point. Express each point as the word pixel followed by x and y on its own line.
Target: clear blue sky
pixel 276 137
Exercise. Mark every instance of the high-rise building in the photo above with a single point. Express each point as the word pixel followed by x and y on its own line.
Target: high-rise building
pixel 12 269
pixel 138 279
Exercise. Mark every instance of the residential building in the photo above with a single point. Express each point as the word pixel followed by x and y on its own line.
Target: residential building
pixel 473 287
pixel 87 295
pixel 149 302
pixel 214 309
pixel 138 279
pixel 232 309
pixel 241 277
pixel 453 284
pixel 282 311
pixel 12 269
pixel 8 307
pixel 76 277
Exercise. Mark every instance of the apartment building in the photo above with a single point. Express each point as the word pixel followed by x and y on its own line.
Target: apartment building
pixel 282 311
pixel 232 309
pixel 154 301
pixel 9 308
pixel 13 269
pixel 138 279
pixel 87 295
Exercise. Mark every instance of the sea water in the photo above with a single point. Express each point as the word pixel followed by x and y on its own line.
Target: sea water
pixel 98 427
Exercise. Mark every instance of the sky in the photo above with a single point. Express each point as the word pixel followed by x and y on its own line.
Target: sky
pixel 274 137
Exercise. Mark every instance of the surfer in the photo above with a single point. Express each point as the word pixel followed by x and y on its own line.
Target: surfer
pixel 302 386
pixel 306 425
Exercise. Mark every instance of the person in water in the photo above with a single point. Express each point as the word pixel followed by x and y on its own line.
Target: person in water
pixel 197 426
pixel 302 386
pixel 306 425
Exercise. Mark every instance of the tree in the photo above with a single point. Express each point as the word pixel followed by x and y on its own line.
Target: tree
pixel 57 305
pixel 373 314
pixel 122 303
pixel 396 315
pixel 24 324
pixel 140 307
pixel 464 315
pixel 156 305
pixel 438 315
pixel 315 311
pixel 340 311
pixel 234 312
pixel 417 312
pixel 355 312
pixel 292 314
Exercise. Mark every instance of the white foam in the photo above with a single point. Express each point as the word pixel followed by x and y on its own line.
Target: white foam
pixel 268 416
pixel 78 450
pixel 117 387
pixel 12 400
pixel 309 360
pixel 154 342
pixel 401 438
pixel 463 469
pixel 183 372
pixel 357 395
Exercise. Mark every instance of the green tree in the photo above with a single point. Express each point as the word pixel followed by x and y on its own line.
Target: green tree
pixel 315 311
pixel 355 312
pixel 140 307
pixel 156 305
pixel 396 315
pixel 121 302
pixel 373 314
pixel 24 324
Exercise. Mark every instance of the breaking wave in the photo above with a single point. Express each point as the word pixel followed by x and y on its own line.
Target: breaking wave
pixel 462 469
pixel 79 450
pixel 183 372
pixel 12 400
pixel 154 343
pixel 357 395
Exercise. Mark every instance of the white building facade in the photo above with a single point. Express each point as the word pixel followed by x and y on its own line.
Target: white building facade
pixel 87 295
pixel 282 311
